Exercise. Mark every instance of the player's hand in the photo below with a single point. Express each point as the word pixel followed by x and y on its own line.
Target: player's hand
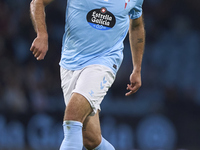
pixel 39 47
pixel 135 82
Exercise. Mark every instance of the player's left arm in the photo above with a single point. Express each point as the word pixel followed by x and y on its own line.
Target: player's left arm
pixel 137 42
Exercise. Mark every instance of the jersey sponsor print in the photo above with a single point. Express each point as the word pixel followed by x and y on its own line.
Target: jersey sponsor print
pixel 101 19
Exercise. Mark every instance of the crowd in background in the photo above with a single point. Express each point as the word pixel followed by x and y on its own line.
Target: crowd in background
pixel 170 70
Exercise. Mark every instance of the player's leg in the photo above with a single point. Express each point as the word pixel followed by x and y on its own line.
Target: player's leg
pixel 77 107
pixel 91 132
pixel 92 139
pixel 91 83
pixel 76 111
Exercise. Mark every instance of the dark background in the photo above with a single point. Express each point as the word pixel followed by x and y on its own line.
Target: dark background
pixel 162 115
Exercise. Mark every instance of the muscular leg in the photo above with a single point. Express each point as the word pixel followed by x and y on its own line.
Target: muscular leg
pixel 76 111
pixel 91 132
pixel 78 108
pixel 92 139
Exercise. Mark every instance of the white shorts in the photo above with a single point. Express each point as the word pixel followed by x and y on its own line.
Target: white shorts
pixel 92 82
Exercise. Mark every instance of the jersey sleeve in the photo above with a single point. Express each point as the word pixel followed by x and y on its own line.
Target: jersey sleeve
pixel 136 11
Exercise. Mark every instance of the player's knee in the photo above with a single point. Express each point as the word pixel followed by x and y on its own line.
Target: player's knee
pixel 90 144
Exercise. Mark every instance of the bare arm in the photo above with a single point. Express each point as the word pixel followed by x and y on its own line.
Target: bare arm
pixel 137 42
pixel 39 46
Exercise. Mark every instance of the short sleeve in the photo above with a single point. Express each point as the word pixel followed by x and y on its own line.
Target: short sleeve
pixel 136 12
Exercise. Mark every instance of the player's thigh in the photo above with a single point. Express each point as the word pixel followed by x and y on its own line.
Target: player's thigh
pixel 92 131
pixel 93 83
pixel 78 108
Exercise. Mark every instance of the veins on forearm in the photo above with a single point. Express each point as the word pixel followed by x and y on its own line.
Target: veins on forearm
pixel 37 13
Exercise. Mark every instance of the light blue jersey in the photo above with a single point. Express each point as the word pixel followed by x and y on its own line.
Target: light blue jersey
pixel 95 30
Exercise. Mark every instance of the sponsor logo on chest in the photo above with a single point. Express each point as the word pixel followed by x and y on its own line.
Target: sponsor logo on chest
pixel 101 19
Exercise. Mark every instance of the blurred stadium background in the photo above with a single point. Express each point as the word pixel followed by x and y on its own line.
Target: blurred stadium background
pixel 163 115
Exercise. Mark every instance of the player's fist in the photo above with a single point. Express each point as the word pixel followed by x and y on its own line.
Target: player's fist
pixel 39 47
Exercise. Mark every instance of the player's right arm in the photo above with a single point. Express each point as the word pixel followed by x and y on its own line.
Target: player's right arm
pixel 39 46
